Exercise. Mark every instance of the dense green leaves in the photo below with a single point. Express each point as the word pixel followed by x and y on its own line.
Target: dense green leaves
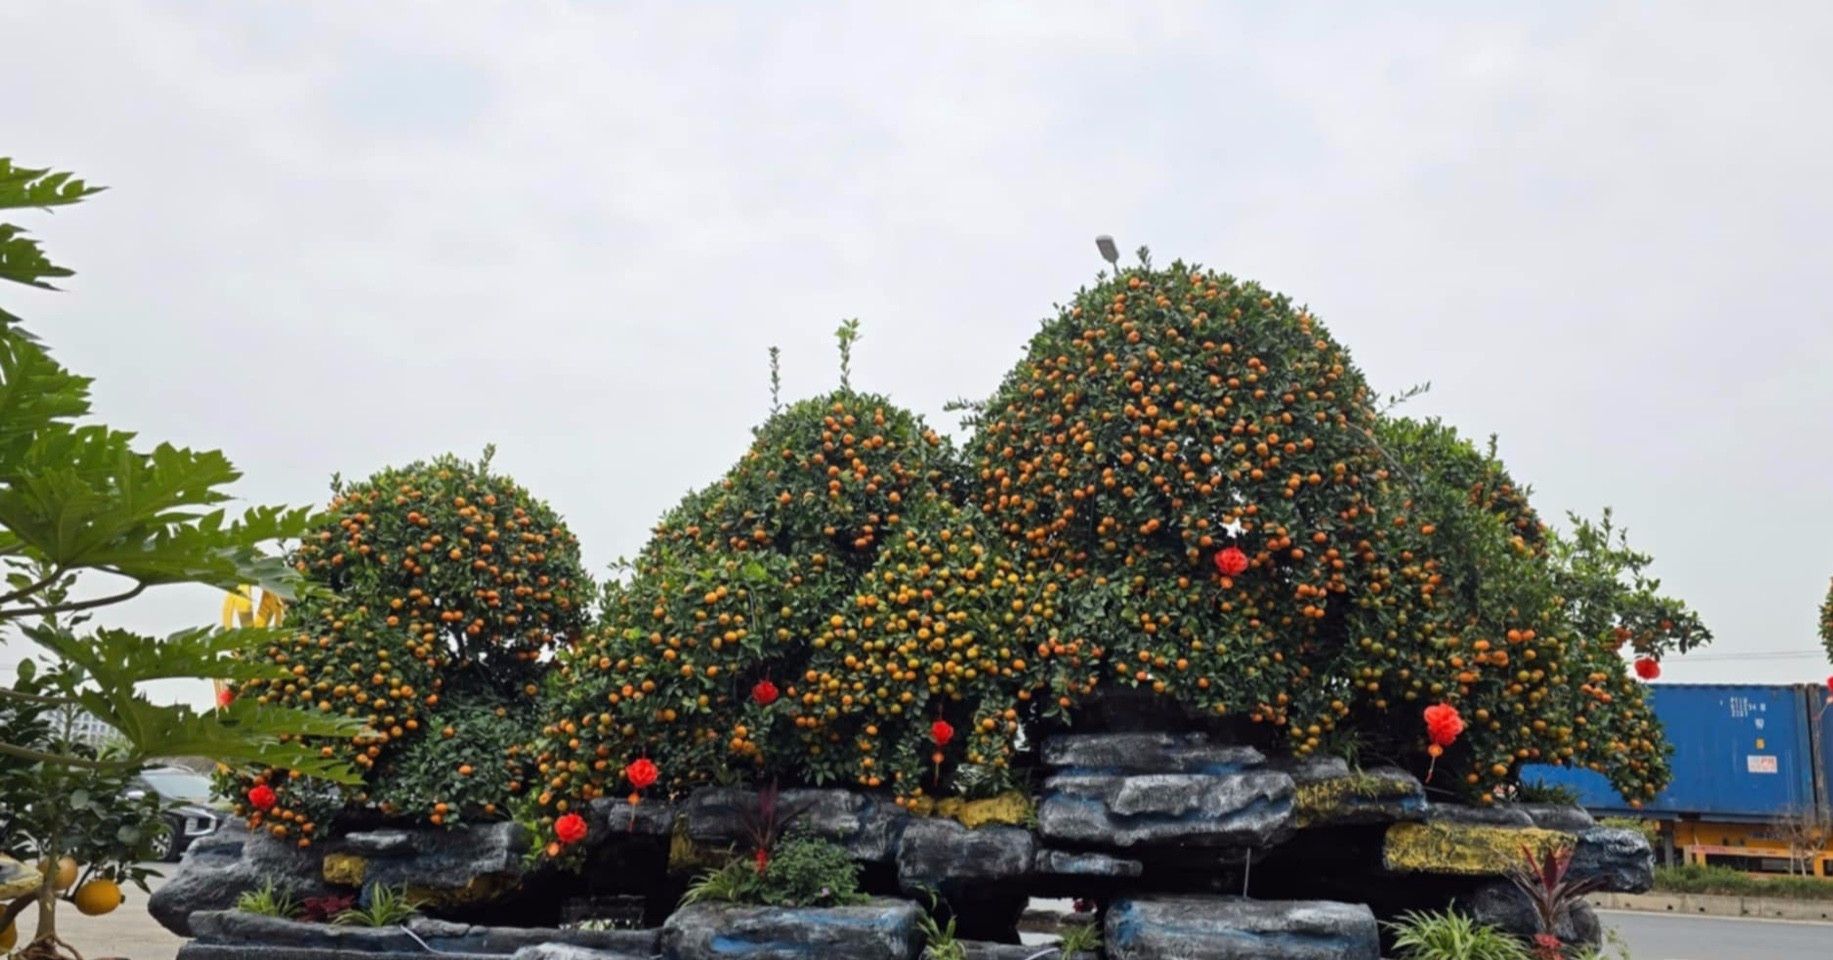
pixel 81 503
pixel 771 626
pixel 1161 419
pixel 21 258
pixel 436 589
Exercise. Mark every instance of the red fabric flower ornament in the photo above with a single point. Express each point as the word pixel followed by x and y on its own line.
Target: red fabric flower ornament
pixel 262 797
pixel 941 733
pixel 642 773
pixel 225 697
pixel 1443 724
pixel 764 694
pixel 1230 562
pixel 1647 669
pixel 570 828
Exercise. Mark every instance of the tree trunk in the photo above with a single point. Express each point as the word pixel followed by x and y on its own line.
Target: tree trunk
pixel 47 903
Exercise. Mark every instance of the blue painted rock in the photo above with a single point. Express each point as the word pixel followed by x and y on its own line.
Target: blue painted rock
pixel 880 930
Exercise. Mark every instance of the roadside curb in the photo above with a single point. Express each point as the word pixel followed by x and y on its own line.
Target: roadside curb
pixel 1710 905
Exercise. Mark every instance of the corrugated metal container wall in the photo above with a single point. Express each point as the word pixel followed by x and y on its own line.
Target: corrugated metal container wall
pixel 1740 752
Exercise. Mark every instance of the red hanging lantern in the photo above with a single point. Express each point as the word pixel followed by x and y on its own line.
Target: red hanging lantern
pixel 642 773
pixel 570 829
pixel 764 693
pixel 1442 727
pixel 262 797
pixel 941 733
pixel 1648 668
pixel 1443 724
pixel 1230 561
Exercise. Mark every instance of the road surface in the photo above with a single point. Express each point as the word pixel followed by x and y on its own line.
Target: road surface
pixel 1662 936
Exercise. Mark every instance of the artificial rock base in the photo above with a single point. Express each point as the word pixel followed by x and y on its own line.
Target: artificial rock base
pixel 1168 831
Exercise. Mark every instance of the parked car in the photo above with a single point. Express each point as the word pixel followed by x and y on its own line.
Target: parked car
pixel 193 810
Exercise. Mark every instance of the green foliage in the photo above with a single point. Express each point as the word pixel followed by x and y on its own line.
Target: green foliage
pixel 21 259
pixel 269 901
pixel 1730 882
pixel 1648 828
pixel 808 871
pixel 733 883
pixel 77 807
pixel 1826 624
pixel 387 908
pixel 939 941
pixel 1452 936
pixel 1078 938
pixel 438 587
pixel 1539 791
pixel 803 871
pixel 880 583
pixel 86 511
pixel 817 564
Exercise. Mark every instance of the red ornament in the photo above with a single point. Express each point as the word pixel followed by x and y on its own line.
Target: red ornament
pixel 262 797
pixel 570 828
pixel 225 697
pixel 641 773
pixel 1647 668
pixel 1443 724
pixel 941 733
pixel 764 694
pixel 1230 561
pixel 1830 684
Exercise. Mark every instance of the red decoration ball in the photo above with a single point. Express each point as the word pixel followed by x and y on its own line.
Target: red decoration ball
pixel 764 693
pixel 262 797
pixel 1647 668
pixel 1230 561
pixel 941 733
pixel 570 828
pixel 642 773
pixel 225 697
pixel 1443 724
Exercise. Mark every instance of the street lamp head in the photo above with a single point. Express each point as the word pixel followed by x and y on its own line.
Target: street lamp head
pixel 1109 252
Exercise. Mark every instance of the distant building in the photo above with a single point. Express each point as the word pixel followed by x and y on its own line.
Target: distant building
pixel 84 727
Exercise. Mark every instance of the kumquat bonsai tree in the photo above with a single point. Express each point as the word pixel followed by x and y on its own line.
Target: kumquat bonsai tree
pixel 439 587
pixel 1184 496
pixel 826 613
pixel 86 511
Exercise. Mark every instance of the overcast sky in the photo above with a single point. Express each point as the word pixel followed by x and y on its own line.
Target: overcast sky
pixel 341 235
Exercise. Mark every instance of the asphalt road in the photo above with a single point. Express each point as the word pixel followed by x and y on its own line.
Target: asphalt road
pixel 1656 936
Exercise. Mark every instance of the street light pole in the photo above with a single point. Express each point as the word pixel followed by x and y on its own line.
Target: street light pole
pixel 1109 252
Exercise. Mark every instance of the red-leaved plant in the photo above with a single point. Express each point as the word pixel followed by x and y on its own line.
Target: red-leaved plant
pixel 1543 878
pixel 325 909
pixel 766 823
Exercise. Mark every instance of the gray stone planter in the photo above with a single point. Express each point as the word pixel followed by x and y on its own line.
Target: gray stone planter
pixel 1175 928
pixel 880 930
pixel 233 935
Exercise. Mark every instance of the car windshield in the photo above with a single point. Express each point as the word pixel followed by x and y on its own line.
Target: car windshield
pixel 179 785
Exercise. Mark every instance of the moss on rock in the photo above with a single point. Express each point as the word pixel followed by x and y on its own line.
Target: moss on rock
pixel 1462 849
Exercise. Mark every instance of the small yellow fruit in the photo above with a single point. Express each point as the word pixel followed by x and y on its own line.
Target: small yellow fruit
pixel 66 872
pixel 97 897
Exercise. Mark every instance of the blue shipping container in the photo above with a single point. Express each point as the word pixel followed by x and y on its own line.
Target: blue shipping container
pixel 1741 753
